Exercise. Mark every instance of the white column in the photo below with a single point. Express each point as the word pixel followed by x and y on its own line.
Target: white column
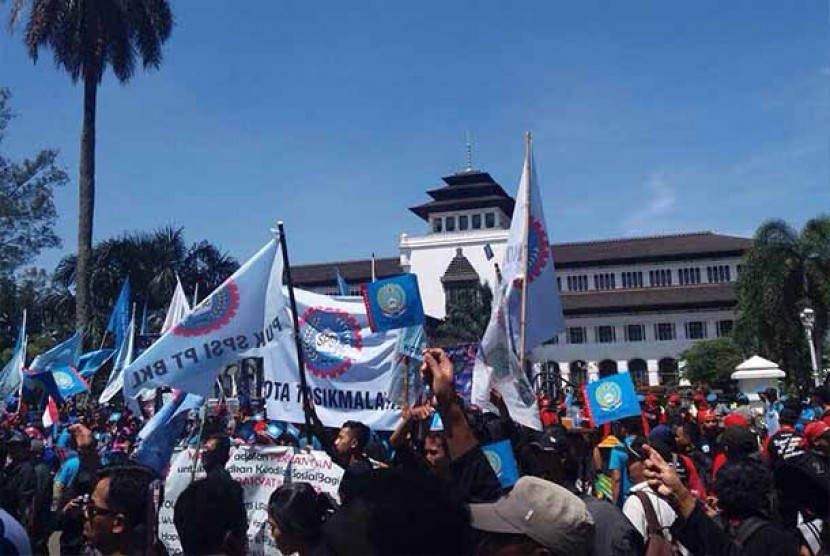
pixel 593 371
pixel 565 370
pixel 653 374
pixel 622 366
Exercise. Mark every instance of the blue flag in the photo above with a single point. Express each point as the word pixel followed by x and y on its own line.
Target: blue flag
pixel 393 303
pixel 342 286
pixel 120 317
pixel 57 369
pixel 612 398
pixel 61 357
pixel 488 252
pixel 61 384
pixel 90 362
pixel 161 433
pixel 12 374
pixel 501 459
pixel 412 342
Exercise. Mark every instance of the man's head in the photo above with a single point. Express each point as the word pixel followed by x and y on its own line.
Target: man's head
pixel 743 489
pixel 771 394
pixel 216 452
pixel 210 518
pixel 536 517
pixel 708 422
pixel 788 417
pixel 116 512
pixel 352 438
pixel 739 443
pixel 435 449
pixel 550 450
pixel 821 396
pixel 18 446
pixel 685 436
pixel 817 434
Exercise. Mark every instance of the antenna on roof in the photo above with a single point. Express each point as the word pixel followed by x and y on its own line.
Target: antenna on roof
pixel 469 145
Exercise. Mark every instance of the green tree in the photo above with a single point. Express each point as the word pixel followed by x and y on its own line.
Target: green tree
pixel 86 38
pixel 783 272
pixel 712 362
pixel 27 208
pixel 151 260
pixel 468 312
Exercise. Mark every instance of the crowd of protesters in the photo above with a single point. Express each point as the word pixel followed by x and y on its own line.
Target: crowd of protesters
pixel 695 473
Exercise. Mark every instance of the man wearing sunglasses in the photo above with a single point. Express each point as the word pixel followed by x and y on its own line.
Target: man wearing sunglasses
pixel 116 514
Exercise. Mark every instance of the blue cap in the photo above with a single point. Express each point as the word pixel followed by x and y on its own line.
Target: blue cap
pixel 712 398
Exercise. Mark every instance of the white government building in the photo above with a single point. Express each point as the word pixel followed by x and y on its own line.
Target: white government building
pixel 631 305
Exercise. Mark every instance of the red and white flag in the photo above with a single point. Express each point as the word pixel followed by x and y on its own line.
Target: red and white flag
pixel 50 414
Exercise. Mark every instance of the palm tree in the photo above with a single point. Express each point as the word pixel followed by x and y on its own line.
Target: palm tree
pixel 152 260
pixel 782 273
pixel 85 38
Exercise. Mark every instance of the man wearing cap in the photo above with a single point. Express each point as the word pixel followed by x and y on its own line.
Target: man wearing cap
pixel 817 434
pixel 536 517
pixel 674 411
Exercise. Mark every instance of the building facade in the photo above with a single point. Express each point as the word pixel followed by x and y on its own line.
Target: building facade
pixel 631 305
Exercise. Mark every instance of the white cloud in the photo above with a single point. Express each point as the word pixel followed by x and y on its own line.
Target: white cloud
pixel 653 213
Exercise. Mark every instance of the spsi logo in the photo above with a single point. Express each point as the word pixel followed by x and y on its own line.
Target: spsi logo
pixel 608 396
pixel 329 338
pixel 214 313
pixel 494 460
pixel 538 250
pixel 63 380
pixel 391 300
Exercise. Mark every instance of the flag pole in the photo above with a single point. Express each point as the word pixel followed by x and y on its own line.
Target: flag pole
pixel 297 340
pixel 525 254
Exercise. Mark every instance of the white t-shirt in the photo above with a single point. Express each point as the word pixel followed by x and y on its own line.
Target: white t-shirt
pixel 636 514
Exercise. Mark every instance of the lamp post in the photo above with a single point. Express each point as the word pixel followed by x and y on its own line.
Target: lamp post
pixel 808 320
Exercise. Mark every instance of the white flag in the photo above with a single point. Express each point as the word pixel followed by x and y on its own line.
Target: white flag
pixel 178 309
pixel 348 367
pixel 123 358
pixel 241 317
pixel 499 361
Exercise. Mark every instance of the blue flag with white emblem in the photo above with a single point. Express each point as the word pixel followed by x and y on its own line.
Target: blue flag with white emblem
pixel 57 369
pixel 12 374
pixel 393 303
pixel 612 398
pixel 501 459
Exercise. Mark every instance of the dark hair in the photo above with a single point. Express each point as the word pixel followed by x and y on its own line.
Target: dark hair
pixel 823 394
pixel 788 416
pixel 128 493
pixel 299 510
pixel 400 499
pixel 206 511
pixel 690 430
pixel 223 442
pixel 744 489
pixel 360 431
pixel 439 436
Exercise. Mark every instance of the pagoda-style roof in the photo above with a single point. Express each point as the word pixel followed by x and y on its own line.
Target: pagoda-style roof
pixel 460 270
pixel 466 190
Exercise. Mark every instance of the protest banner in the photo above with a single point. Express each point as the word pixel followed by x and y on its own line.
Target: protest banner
pixel 349 368
pixel 260 470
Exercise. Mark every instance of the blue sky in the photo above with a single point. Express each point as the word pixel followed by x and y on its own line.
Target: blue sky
pixel 648 117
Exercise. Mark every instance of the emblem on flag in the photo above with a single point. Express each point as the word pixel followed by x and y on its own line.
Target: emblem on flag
pixel 494 460
pixel 217 311
pixel 608 396
pixel 391 300
pixel 63 380
pixel 329 337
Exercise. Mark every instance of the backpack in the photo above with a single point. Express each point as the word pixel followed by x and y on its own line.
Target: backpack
pixel 656 542
pixel 745 529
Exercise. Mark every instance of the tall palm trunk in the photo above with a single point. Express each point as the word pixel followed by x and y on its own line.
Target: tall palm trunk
pixel 86 201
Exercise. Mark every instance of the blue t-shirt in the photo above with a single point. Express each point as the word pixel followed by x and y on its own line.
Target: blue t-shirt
pixel 618 461
pixel 68 471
